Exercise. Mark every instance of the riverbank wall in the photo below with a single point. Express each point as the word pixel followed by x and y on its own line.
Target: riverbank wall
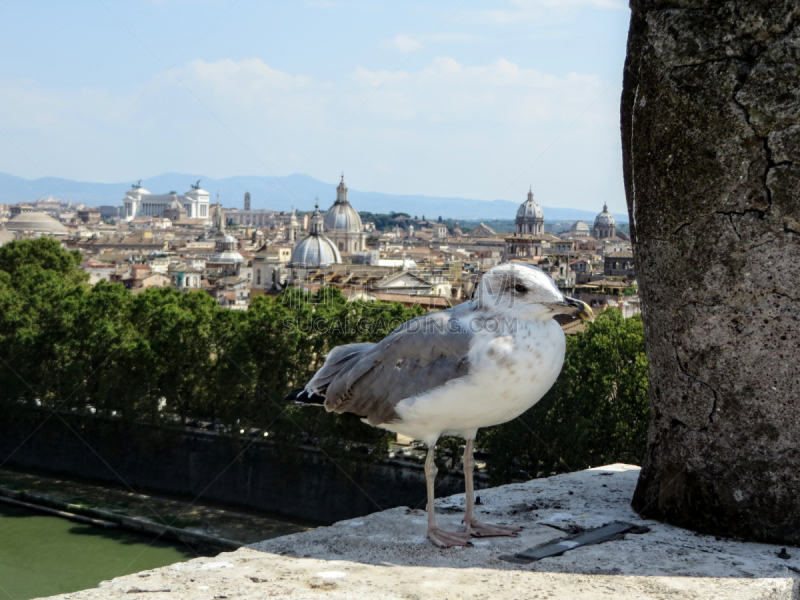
pixel 299 482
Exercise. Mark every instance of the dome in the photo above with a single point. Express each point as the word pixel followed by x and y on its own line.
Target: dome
pixel 226 257
pixel 529 209
pixel 315 250
pixel 342 216
pixel 229 239
pixel 579 227
pixel 37 222
pixel 605 218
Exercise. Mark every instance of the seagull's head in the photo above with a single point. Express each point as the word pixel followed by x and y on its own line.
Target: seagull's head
pixel 518 289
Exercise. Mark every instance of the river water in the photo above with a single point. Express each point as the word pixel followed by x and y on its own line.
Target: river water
pixel 42 555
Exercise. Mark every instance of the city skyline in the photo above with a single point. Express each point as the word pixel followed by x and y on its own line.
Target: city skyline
pixel 299 192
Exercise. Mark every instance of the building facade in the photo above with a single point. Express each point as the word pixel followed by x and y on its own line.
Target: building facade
pixel 251 218
pixel 139 202
pixel 619 264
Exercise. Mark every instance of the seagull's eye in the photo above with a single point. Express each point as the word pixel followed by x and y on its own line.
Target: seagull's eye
pixel 520 288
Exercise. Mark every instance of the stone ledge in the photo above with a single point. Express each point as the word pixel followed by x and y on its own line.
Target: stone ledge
pixel 385 555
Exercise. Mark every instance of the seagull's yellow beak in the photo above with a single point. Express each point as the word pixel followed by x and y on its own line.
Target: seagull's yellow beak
pixel 582 310
pixel 573 308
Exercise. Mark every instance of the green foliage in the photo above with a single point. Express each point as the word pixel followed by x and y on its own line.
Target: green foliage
pixel 164 356
pixel 384 222
pixel 595 414
pixel 41 254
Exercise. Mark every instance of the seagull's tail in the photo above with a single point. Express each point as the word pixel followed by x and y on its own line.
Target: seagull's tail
pixel 338 360
pixel 305 397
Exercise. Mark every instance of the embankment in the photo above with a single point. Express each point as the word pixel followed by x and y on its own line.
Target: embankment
pixel 258 474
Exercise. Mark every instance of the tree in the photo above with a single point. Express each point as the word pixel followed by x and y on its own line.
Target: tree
pixel 710 118
pixel 40 290
pixel 43 253
pixel 178 348
pixel 595 414
pixel 162 354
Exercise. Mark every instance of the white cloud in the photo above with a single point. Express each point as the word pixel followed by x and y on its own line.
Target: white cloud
pixel 437 120
pixel 401 42
pixel 410 43
pixel 376 78
pixel 502 91
pixel 249 76
pixel 252 85
pixel 28 105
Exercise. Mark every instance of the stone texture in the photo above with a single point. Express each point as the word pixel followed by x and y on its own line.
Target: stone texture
pixel 386 555
pixel 711 139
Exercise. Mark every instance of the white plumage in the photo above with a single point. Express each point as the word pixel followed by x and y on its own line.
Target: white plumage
pixel 508 374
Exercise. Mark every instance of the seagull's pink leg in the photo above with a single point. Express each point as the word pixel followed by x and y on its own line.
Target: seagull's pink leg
pixel 474 527
pixel 442 539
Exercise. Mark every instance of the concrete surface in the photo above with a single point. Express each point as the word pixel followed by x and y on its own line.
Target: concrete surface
pixel 386 555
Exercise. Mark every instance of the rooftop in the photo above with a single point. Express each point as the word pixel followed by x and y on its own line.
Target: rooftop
pixel 37 222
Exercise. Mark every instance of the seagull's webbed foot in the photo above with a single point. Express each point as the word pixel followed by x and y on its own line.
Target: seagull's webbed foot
pixel 478 529
pixel 448 539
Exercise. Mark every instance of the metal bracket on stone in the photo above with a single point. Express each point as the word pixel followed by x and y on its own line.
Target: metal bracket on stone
pixel 606 533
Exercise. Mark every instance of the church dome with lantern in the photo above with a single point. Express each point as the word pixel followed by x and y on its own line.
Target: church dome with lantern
pixel 315 250
pixel 342 223
pixel 530 217
pixel 226 247
pixel 342 216
pixel 605 226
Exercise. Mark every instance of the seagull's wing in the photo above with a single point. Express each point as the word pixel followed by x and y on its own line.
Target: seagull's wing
pixel 420 355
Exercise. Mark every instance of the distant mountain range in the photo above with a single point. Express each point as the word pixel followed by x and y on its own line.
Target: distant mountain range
pixel 270 192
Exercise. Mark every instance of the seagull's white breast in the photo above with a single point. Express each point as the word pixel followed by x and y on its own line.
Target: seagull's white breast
pixel 510 370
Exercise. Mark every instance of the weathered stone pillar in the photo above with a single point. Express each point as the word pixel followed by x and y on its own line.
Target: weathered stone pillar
pixel 711 144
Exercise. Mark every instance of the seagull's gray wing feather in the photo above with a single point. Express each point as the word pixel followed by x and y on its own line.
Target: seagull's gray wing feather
pixel 420 355
pixel 336 361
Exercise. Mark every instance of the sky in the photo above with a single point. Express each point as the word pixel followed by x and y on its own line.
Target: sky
pixel 457 98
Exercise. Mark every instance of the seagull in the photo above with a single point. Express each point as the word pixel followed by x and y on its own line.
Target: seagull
pixel 451 372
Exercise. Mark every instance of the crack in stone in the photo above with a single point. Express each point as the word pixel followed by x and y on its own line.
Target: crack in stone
pixel 681 227
pixel 729 213
pixel 735 230
pixel 709 61
pixel 696 380
pixel 782 295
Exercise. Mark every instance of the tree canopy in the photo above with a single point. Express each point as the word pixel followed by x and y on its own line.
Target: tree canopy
pixel 165 356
